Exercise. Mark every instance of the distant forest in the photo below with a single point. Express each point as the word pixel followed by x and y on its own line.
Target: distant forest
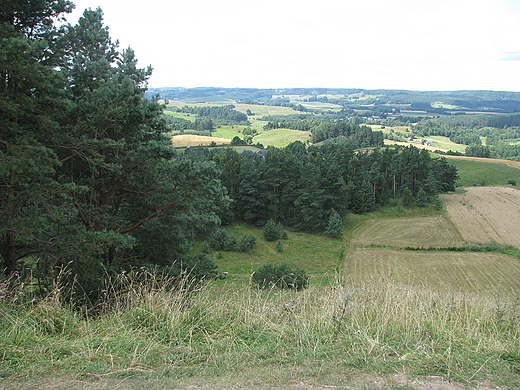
pixel 462 101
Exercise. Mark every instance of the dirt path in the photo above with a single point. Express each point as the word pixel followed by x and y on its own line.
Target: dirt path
pixel 340 381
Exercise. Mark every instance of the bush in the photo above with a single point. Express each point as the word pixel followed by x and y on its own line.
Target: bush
pixel 247 242
pixel 280 276
pixel 219 240
pixel 335 225
pixel 271 231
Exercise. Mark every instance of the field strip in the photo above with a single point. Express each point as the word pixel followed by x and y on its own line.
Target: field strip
pixel 425 232
pixel 486 214
pixel 459 271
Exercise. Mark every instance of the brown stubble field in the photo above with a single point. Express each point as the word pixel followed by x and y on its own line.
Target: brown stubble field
pixel 486 214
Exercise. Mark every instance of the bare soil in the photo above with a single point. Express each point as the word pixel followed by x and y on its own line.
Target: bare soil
pixel 251 381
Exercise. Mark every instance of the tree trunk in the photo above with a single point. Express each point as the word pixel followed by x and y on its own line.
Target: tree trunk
pixel 9 252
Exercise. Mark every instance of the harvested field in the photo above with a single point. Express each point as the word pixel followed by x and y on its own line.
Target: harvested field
pixel 458 271
pixel 185 140
pixel 486 214
pixel 403 232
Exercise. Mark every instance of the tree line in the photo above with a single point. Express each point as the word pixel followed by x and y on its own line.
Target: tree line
pixel 300 187
pixel 224 114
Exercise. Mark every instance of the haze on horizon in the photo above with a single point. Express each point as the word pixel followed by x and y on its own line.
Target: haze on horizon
pixel 372 44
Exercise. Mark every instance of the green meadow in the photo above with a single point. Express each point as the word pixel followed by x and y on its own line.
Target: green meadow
pixel 477 173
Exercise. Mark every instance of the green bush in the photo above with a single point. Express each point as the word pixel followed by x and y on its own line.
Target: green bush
pixel 247 242
pixel 335 225
pixel 219 240
pixel 281 276
pixel 271 231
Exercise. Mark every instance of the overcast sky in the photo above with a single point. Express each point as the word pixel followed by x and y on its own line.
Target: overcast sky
pixel 401 44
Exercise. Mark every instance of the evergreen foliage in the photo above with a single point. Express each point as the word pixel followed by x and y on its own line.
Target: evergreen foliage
pixel 89 183
pixel 281 276
pixel 335 225
pixel 271 231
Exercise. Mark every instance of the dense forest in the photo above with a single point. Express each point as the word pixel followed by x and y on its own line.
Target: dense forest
pixel 90 185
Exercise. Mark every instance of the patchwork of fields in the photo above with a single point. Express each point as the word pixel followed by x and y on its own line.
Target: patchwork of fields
pixel 479 215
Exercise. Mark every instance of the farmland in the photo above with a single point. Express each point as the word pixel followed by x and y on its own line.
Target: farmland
pixel 451 271
pixel 380 248
pixel 402 232
pixel 486 214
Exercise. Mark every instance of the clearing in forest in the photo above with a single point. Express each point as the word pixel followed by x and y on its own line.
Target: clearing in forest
pixel 185 140
pixel 486 214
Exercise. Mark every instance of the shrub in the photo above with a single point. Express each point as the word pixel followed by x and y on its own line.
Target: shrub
pixel 271 231
pixel 280 276
pixel 247 242
pixel 219 240
pixel 421 198
pixel 438 204
pixel 335 225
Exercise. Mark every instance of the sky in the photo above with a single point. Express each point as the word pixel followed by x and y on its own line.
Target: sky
pixel 440 45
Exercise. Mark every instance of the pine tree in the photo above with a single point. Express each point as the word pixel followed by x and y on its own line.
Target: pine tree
pixel 271 232
pixel 335 225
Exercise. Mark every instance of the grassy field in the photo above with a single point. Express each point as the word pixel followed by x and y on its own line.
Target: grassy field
pixel 434 231
pixel 185 140
pixel 446 144
pixel 319 255
pixel 468 272
pixel 475 172
pixel 281 137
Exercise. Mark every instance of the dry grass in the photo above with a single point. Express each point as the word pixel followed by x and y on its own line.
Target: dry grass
pixel 151 334
pixel 486 214
pixel 185 140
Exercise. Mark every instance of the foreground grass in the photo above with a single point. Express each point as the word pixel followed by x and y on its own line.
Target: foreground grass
pixel 148 330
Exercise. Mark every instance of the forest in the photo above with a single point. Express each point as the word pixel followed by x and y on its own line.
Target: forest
pixel 91 186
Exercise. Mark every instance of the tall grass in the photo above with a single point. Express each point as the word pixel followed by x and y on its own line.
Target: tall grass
pixel 145 326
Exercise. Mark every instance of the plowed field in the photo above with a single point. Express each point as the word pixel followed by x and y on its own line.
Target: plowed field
pixel 486 214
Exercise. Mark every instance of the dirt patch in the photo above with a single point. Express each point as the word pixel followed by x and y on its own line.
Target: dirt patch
pixel 339 381
pixel 486 214
pixel 185 140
